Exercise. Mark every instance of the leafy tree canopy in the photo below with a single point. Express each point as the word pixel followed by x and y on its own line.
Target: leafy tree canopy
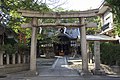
pixel 12 19
pixel 115 5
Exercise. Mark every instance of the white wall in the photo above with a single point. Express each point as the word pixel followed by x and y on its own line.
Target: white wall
pixel 108 18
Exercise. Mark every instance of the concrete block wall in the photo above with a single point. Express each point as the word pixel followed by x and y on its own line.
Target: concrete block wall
pixel 14 68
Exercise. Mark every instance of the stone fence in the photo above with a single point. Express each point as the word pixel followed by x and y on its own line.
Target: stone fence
pixel 13 62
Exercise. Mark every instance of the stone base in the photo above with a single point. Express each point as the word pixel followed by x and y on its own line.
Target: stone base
pixel 31 73
pixel 116 69
pixel 98 72
pixel 13 68
pixel 85 73
pixel 3 75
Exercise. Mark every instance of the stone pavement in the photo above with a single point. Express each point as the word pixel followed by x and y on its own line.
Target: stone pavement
pixel 59 68
pixel 51 69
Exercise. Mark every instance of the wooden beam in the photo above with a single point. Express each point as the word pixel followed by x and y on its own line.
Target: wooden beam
pixel 88 25
pixel 76 14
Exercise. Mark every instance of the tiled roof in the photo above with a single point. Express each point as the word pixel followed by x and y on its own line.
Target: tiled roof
pixel 73 32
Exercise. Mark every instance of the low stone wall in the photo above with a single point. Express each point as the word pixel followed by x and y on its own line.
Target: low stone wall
pixel 13 68
pixel 116 69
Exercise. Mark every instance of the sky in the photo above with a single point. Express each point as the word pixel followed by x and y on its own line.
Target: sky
pixel 77 4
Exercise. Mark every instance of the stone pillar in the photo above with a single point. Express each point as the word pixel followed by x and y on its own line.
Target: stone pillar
pixel 19 58
pixel 24 58
pixel 88 51
pixel 8 59
pixel 28 59
pixel 1 57
pixel 2 74
pixel 97 69
pixel 13 58
pixel 83 48
pixel 97 54
pixel 33 46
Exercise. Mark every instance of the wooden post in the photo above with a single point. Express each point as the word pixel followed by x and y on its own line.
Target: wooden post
pixel 33 46
pixel 83 48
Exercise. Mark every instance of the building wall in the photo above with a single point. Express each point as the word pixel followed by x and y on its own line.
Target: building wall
pixel 108 18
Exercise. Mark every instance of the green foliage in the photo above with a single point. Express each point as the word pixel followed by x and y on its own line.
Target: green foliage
pixel 10 7
pixel 92 31
pixel 24 4
pixel 115 5
pixel 13 49
pixel 9 49
pixel 22 47
pixel 59 9
pixel 48 35
pixel 110 53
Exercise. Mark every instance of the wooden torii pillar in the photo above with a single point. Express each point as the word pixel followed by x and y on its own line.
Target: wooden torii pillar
pixel 81 15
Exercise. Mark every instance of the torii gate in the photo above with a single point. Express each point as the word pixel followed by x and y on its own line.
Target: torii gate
pixel 81 15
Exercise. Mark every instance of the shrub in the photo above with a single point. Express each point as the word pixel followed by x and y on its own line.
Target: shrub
pixel 22 48
pixel 9 49
pixel 110 53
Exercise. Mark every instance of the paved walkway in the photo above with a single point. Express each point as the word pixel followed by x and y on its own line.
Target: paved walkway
pixel 50 69
pixel 59 68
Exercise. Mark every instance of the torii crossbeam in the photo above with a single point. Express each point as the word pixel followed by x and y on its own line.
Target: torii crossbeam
pixel 75 14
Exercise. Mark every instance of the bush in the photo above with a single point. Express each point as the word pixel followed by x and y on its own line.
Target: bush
pixel 22 48
pixel 9 49
pixel 110 53
pixel 12 49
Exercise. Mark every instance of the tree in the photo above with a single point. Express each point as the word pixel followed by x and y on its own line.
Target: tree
pixel 115 5
pixel 93 31
pixel 8 9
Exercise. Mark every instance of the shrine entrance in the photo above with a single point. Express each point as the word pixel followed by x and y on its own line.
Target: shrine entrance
pixel 37 22
pixel 62 47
